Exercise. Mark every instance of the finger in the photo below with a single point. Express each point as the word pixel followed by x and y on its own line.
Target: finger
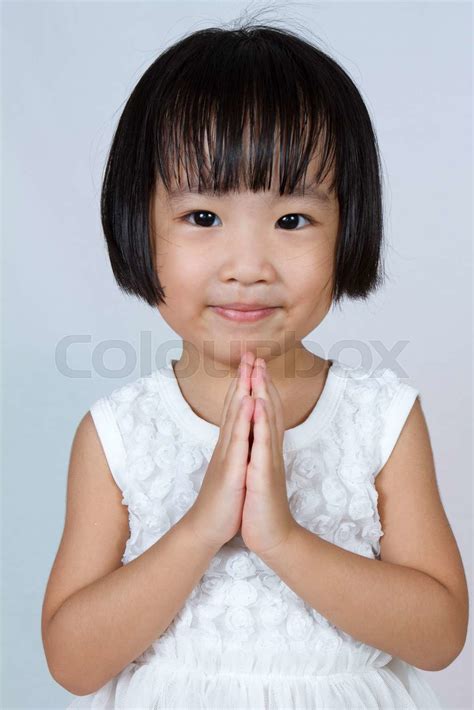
pixel 260 388
pixel 268 392
pixel 261 456
pixel 258 385
pixel 271 422
pixel 242 389
pixel 238 448
pixel 248 357
pixel 231 389
pixel 277 409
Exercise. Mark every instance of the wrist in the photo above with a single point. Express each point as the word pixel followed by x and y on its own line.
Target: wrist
pixel 196 535
pixel 279 550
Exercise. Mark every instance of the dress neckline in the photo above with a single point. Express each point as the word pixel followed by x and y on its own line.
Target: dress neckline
pixel 294 438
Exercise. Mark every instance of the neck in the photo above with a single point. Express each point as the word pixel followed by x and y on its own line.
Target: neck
pixel 298 375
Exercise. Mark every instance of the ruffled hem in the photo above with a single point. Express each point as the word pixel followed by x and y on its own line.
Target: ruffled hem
pixel 164 686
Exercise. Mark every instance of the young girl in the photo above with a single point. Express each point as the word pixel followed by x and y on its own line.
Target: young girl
pixel 250 526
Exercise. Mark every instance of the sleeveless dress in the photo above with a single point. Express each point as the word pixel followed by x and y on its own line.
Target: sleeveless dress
pixel 244 639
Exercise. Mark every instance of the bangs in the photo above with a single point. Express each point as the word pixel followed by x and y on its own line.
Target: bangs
pixel 253 108
pixel 237 110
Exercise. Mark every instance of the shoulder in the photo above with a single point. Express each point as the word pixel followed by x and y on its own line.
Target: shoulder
pixel 374 408
pixel 124 417
pixel 379 390
pixel 136 399
pixel 135 391
pixel 363 379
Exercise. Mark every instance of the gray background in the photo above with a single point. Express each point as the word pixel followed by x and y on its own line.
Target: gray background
pixel 68 68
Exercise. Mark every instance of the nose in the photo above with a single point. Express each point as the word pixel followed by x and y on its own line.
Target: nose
pixel 246 258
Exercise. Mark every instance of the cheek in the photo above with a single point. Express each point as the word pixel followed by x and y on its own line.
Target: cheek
pixel 170 259
pixel 308 276
pixel 309 283
pixel 183 277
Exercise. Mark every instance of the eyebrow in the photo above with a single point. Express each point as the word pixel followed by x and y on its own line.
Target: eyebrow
pixel 314 192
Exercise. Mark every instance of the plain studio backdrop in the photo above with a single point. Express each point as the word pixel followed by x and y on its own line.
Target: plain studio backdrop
pixel 71 336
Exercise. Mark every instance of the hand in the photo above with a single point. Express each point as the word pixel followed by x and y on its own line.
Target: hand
pixel 216 514
pixel 266 517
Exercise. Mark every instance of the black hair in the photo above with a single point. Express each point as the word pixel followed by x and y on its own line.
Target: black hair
pixel 189 110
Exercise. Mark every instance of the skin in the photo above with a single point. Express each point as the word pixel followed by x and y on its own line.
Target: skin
pixel 247 254
pixel 413 602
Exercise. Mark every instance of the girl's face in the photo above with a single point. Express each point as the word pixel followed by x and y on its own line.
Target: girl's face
pixel 244 247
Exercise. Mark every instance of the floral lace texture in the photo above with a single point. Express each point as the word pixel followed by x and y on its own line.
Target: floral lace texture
pixel 241 622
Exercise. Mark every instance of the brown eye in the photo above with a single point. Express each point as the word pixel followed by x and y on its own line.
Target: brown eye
pixel 203 218
pixel 290 221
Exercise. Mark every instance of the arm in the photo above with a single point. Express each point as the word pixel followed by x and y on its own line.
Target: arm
pixel 99 615
pixel 413 602
pixel 129 609
pixel 397 609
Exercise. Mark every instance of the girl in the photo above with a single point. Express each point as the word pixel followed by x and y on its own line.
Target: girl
pixel 250 526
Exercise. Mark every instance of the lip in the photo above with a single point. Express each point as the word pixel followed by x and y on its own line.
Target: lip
pixel 237 306
pixel 243 316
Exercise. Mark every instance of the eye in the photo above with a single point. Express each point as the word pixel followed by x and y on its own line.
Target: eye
pixel 205 218
pixel 290 221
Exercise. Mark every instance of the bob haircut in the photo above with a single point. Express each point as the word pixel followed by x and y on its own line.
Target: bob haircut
pixel 189 111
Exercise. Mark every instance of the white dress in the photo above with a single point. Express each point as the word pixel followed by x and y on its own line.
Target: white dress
pixel 244 639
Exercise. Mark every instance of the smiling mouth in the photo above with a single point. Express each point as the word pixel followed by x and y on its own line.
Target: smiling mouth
pixel 241 316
